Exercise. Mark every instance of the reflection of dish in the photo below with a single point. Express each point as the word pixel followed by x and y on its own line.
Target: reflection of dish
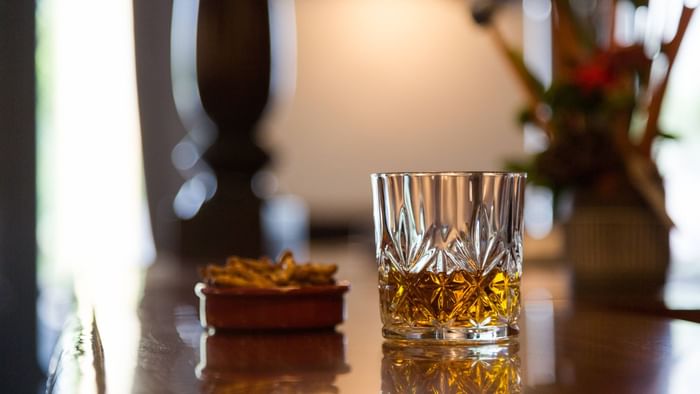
pixel 413 367
pixel 271 308
pixel 290 361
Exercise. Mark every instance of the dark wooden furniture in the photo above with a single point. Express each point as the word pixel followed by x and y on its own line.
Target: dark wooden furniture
pixel 233 74
pixel 564 346
pixel 233 63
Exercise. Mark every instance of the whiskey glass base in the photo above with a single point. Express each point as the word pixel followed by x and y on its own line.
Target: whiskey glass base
pixel 481 335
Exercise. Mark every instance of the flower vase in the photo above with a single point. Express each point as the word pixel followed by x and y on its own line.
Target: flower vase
pixel 616 248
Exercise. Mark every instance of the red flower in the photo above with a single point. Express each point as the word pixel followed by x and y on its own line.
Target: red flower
pixel 596 75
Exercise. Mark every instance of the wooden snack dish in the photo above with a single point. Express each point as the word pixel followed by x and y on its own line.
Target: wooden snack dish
pixel 277 308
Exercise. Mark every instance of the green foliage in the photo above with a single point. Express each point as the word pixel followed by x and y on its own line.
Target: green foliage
pixel 600 113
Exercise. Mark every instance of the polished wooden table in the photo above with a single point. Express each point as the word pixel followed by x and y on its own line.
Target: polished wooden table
pixel 143 336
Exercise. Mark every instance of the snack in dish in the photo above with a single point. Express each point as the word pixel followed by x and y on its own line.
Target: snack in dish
pixel 264 273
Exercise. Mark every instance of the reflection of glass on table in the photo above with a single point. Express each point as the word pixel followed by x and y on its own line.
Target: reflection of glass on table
pixel 273 361
pixel 412 368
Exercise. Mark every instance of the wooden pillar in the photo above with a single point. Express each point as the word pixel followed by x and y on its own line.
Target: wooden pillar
pixel 233 74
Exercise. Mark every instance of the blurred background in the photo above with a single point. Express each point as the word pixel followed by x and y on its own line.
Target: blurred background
pixel 103 159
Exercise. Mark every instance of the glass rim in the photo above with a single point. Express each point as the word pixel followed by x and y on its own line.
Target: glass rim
pixel 394 174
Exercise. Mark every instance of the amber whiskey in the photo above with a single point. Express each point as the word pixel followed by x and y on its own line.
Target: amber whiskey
pixel 455 300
